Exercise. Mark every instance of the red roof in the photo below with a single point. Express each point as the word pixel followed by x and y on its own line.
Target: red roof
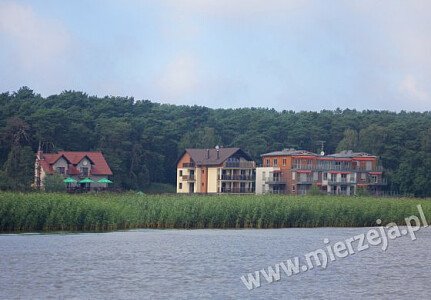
pixel 98 162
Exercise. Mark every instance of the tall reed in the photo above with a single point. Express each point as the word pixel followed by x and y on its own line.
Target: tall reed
pixel 21 212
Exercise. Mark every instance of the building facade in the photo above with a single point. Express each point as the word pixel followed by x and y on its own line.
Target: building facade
pixel 219 170
pixel 294 172
pixel 74 165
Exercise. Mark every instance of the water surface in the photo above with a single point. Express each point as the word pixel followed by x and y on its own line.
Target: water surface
pixel 201 264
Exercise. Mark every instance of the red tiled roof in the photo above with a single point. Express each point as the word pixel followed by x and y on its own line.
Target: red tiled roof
pixel 99 164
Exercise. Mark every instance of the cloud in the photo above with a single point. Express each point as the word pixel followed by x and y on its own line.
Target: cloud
pixel 242 9
pixel 410 88
pixel 34 43
pixel 179 77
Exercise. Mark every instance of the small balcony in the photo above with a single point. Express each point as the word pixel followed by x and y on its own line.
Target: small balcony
pixel 188 177
pixel 238 177
pixel 276 180
pixel 373 169
pixel 304 181
pixel 341 181
pixel 304 167
pixel 189 165
pixel 240 164
pixel 379 181
pixel 239 190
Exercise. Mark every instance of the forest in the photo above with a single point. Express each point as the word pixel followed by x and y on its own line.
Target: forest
pixel 142 140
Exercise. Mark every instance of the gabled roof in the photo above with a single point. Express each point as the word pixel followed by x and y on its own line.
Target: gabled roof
pixel 290 152
pixel 99 164
pixel 209 157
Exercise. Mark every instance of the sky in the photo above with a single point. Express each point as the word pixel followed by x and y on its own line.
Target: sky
pixel 285 54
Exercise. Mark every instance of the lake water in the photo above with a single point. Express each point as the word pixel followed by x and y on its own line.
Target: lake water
pixel 201 264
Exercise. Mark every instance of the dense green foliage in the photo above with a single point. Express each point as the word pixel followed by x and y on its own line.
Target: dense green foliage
pixel 142 140
pixel 53 212
pixel 54 183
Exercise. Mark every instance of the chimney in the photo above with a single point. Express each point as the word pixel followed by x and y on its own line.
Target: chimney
pixel 39 152
pixel 218 151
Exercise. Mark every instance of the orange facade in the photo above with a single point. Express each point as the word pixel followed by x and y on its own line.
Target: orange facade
pixel 341 173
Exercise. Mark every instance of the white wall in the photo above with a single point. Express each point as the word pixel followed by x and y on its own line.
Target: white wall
pixel 262 173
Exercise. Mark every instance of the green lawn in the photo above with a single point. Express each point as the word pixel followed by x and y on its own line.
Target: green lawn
pixel 101 212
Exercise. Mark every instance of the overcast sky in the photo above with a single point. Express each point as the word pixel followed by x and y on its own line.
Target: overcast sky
pixel 282 54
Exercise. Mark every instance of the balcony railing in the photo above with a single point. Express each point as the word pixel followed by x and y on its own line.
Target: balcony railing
pixel 337 168
pixel 276 180
pixel 379 181
pixel 188 177
pixel 238 177
pixel 279 192
pixel 237 190
pixel 305 181
pixel 303 167
pixel 240 164
pixel 341 181
pixel 188 165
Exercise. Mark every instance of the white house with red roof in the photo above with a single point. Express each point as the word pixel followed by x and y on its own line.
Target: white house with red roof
pixel 77 165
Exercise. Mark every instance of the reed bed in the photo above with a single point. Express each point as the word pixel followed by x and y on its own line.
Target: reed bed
pixel 33 212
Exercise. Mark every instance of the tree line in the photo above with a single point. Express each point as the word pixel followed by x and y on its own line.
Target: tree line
pixel 142 140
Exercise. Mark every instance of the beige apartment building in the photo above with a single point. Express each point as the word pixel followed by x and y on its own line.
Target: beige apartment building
pixel 218 171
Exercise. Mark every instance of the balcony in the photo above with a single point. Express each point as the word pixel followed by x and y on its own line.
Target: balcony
pixel 188 177
pixel 341 181
pixel 374 169
pixel 237 190
pixel 379 181
pixel 278 192
pixel 305 181
pixel 276 180
pixel 303 167
pixel 240 164
pixel 337 168
pixel 238 177
pixel 189 165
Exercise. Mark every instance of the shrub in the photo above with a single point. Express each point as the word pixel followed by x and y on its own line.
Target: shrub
pixel 54 183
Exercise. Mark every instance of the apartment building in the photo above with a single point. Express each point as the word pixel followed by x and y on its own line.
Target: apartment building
pixel 218 170
pixel 293 171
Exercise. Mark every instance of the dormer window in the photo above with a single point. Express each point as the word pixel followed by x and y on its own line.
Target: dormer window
pixel 61 170
pixel 84 171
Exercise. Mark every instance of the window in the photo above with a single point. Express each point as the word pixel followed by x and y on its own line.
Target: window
pixel 275 162
pixel 180 186
pixel 61 170
pixel 333 177
pixel 284 162
pixel 203 171
pixel 325 176
pixel 181 173
pixel 293 175
pixel 84 171
pixel 293 189
pixel 202 184
pixel 343 177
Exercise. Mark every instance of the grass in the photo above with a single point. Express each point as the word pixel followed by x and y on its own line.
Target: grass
pixel 31 212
